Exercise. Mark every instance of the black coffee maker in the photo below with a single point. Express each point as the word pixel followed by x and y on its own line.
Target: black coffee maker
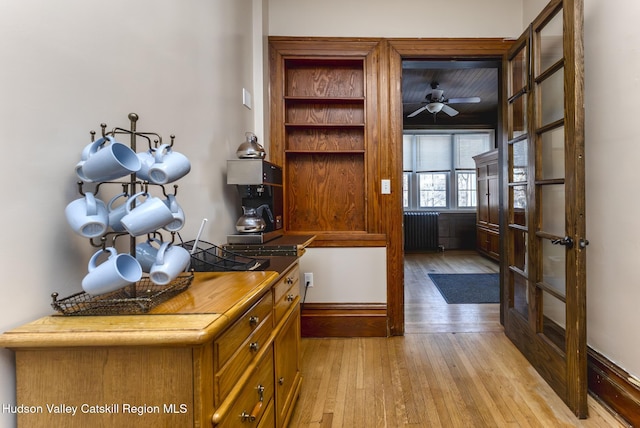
pixel 259 184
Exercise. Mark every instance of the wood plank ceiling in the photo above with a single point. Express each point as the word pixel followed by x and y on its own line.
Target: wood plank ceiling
pixel 458 79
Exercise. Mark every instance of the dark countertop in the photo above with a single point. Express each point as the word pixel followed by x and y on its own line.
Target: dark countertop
pixel 285 245
pixel 280 264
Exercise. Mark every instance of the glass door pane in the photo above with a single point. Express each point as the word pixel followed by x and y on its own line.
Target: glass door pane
pixel 552 98
pixel 519 71
pixel 554 322
pixel 551 42
pixel 520 295
pixel 518 250
pixel 552 148
pixel 519 161
pixel 553 267
pixel 518 205
pixel 517 113
pixel 517 92
pixel 553 209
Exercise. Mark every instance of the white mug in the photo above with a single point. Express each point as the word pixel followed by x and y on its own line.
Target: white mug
pixel 146 160
pixel 147 253
pixel 147 217
pixel 170 262
pixel 119 270
pixel 87 216
pixel 169 166
pixel 106 159
pixel 116 214
pixel 176 212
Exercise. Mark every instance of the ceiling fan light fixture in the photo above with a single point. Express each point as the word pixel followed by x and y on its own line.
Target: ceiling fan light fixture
pixel 434 108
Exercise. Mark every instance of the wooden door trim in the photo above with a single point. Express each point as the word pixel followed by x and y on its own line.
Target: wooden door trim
pixel 391 165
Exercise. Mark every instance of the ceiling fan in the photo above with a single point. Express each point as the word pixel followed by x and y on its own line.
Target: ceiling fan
pixel 436 102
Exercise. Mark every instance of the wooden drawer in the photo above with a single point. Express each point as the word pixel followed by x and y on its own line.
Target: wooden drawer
pixel 286 282
pixel 494 244
pixel 285 293
pixel 482 240
pixel 268 419
pixel 249 401
pixel 488 242
pixel 235 335
pixel 227 376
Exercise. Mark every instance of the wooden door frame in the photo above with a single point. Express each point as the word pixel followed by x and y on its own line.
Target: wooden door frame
pixel 394 52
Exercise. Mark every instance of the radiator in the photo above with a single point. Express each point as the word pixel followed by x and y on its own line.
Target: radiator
pixel 421 230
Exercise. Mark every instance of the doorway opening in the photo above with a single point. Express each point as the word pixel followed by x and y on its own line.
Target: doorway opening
pixel 450 114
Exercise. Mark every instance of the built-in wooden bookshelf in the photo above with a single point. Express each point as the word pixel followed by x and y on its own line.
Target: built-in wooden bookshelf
pixel 325 144
pixel 321 136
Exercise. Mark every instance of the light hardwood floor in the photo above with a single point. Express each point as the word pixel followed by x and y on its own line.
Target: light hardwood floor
pixel 426 311
pixel 453 368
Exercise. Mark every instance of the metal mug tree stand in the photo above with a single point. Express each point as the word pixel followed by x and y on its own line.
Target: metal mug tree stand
pixel 139 297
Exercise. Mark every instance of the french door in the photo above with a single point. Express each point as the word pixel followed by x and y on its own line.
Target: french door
pixel 544 301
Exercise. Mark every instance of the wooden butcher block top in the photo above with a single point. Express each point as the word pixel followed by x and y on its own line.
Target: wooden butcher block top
pixel 192 317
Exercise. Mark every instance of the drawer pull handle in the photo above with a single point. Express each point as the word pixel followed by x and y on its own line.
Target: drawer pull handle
pixel 254 346
pixel 281 381
pixel 289 280
pixel 290 297
pixel 247 417
pixel 254 320
pixel 251 417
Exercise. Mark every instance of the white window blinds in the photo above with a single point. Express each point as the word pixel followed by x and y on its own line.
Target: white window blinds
pixel 433 152
pixel 407 152
pixel 466 146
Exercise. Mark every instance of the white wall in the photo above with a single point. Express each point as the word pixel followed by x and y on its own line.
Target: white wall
pixel 406 18
pixel 68 66
pixel 346 275
pixel 612 72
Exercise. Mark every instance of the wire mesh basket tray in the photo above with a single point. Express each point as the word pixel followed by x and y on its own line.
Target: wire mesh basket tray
pixel 211 258
pixel 122 301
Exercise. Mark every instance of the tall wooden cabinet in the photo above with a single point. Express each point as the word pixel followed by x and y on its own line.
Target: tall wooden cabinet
pixel 488 211
pixel 323 101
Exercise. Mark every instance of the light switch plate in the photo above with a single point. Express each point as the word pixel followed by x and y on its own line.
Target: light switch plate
pixel 246 98
pixel 386 187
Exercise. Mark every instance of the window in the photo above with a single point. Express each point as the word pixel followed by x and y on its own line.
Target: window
pixel 433 189
pixel 466 189
pixel 439 171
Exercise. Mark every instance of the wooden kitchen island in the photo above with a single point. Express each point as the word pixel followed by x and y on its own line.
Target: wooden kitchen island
pixel 225 352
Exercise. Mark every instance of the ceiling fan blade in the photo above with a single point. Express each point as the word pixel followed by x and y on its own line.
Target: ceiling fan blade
pixel 417 112
pixel 463 100
pixel 449 110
